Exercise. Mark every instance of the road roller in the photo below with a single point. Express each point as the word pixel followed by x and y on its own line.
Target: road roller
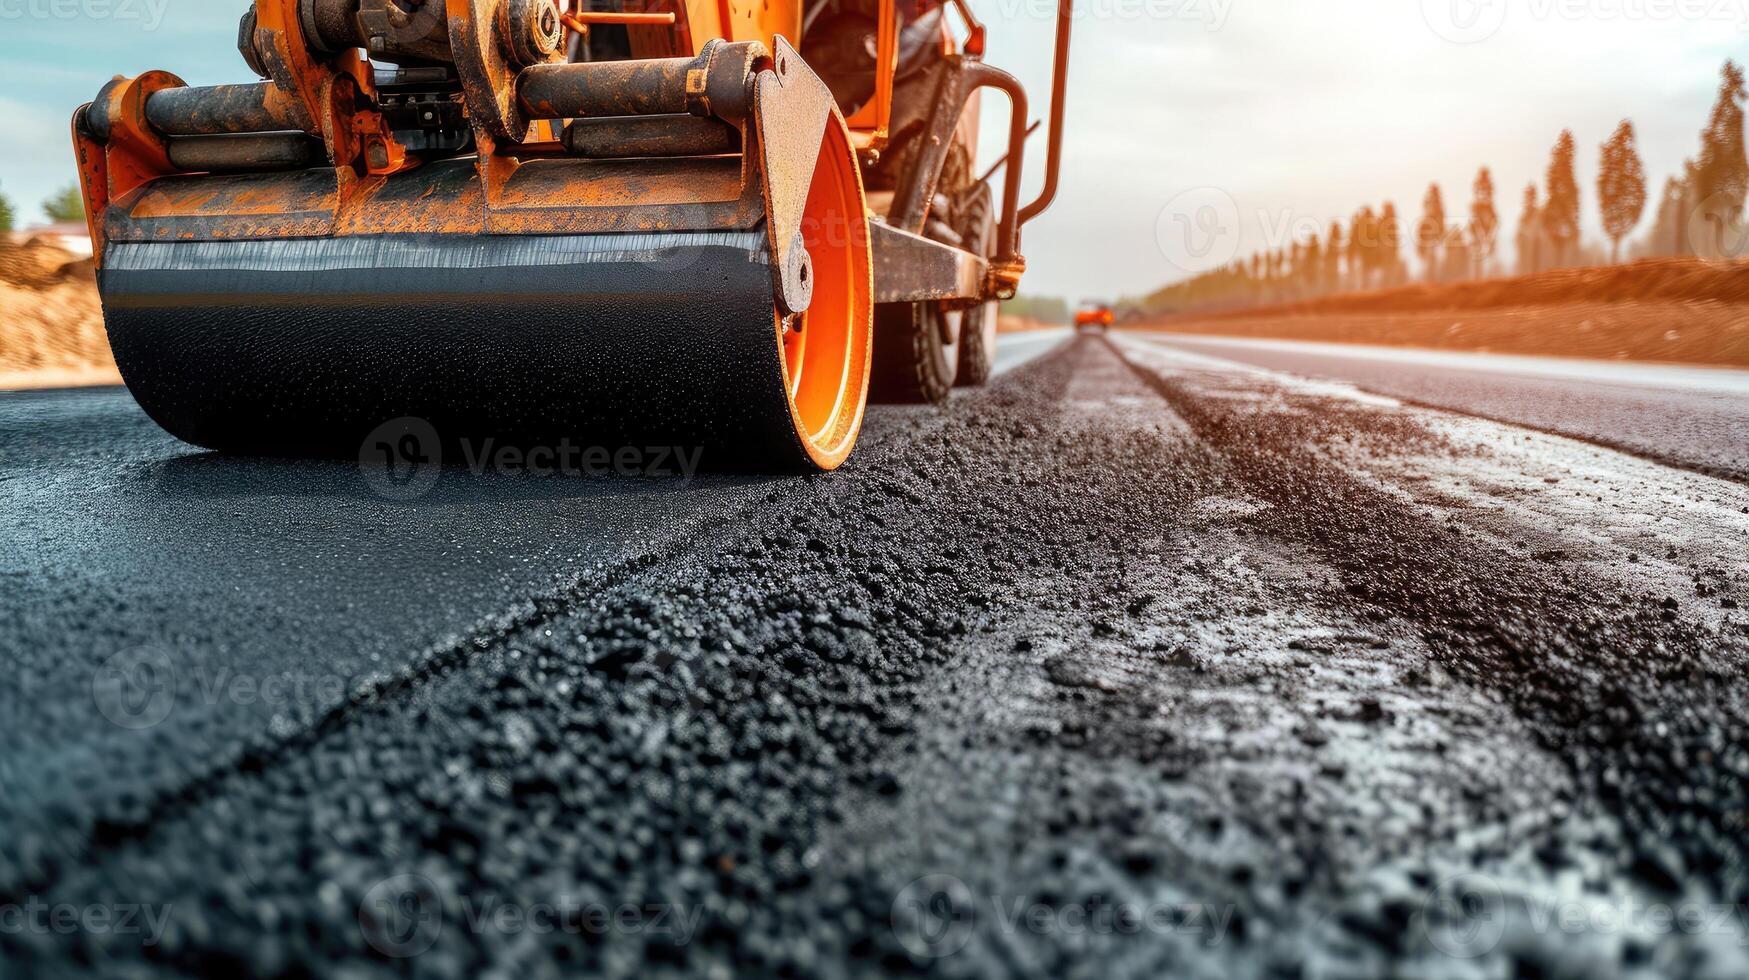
pixel 716 224
pixel 1094 315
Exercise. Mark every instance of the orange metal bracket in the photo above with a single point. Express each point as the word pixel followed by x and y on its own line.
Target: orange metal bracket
pixel 869 125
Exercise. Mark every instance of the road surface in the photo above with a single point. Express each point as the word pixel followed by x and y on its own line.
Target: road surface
pixel 1688 416
pixel 1138 661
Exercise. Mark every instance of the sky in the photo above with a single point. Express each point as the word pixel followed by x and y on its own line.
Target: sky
pixel 1197 130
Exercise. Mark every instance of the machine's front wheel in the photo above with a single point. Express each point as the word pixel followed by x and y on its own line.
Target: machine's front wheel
pixel 826 356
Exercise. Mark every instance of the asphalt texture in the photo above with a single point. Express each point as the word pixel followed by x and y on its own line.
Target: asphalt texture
pixel 1130 663
pixel 1684 415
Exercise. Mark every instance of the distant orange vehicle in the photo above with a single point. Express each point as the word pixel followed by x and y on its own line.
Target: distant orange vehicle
pixel 1097 315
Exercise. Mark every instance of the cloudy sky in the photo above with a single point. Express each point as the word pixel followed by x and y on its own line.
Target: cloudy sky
pixel 1198 129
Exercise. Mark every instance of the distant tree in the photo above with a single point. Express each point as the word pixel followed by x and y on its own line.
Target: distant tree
pixel 1363 243
pixel 1045 309
pixel 1457 258
pixel 1312 267
pixel 1430 233
pixel 1390 244
pixel 1331 276
pixel 1621 187
pixel 1530 234
pixel 1484 221
pixel 67 206
pixel 1721 175
pixel 6 214
pixel 1560 212
pixel 1665 238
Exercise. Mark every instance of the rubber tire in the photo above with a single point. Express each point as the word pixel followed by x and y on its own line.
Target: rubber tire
pixel 911 364
pixel 978 328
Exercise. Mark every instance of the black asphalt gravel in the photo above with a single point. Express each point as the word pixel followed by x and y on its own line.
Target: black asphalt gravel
pixel 1124 665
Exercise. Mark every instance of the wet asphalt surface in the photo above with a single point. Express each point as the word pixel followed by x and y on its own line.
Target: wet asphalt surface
pixel 1128 664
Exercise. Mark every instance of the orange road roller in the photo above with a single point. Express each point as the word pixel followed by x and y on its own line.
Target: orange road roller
pixel 1098 316
pixel 708 223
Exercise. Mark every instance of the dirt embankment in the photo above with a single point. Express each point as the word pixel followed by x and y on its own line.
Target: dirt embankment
pixel 1685 310
pixel 51 326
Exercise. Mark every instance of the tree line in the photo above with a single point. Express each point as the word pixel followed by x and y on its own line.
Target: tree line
pixel 66 207
pixel 1700 213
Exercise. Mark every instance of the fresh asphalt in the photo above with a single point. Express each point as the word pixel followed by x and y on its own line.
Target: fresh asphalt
pixel 1135 662
pixel 1685 415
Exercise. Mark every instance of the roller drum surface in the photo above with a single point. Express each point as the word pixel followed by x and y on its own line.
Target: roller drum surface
pixel 304 347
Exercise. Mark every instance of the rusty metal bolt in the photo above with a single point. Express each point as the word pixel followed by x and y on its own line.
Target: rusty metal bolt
pixel 533 30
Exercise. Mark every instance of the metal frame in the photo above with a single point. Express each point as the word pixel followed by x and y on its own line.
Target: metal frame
pixel 137 142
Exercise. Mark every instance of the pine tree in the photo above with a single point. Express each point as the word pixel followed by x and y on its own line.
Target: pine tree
pixel 67 206
pixel 1459 259
pixel 1332 274
pixel 1430 233
pixel 1722 173
pixel 1690 209
pixel 1665 238
pixel 6 214
pixel 1530 234
pixel 1621 187
pixel 1560 213
pixel 1313 268
pixel 1362 246
pixel 1484 222
pixel 1390 244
